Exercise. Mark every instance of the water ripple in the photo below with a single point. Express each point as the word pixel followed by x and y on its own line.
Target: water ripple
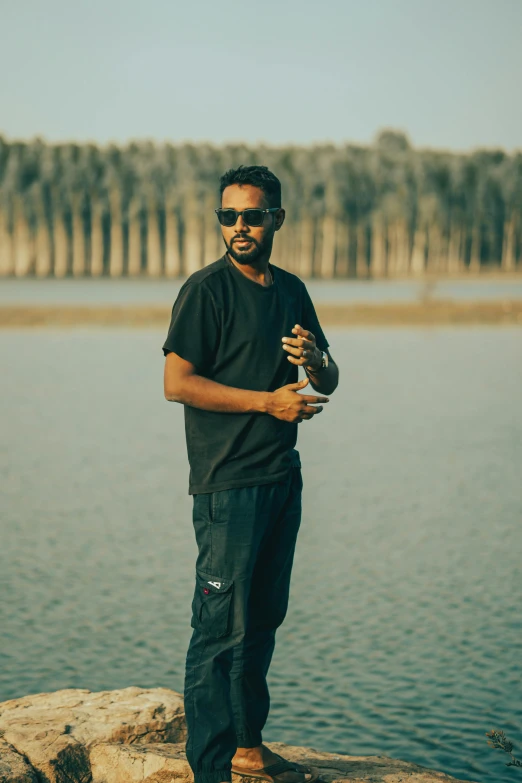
pixel 403 635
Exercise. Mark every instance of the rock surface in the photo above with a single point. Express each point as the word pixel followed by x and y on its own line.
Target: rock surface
pixel 13 767
pixel 136 735
pixel 168 764
pixel 55 731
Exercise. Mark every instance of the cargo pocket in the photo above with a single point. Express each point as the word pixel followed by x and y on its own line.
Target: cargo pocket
pixel 211 605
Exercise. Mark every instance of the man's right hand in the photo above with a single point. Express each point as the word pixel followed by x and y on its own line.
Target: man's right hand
pixel 286 404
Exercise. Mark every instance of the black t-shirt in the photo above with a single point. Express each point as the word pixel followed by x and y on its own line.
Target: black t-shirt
pixel 230 328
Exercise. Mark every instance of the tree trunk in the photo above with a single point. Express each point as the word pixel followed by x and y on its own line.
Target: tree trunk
pixel 378 260
pixel 293 247
pixel 78 237
pixel 508 262
pixel 96 238
pixel 23 244
pixel 455 262
pixel 433 263
pixel 404 248
pixel 212 237
pixel 277 256
pixel 116 235
pixel 43 249
pixel 192 237
pixel 318 247
pixel 342 257
pixel 172 254
pixel 284 247
pixel 393 249
pixel 351 247
pixel 306 249
pixel 474 260
pixel 362 251
pixel 444 252
pixel 153 241
pixel 328 242
pixel 61 243
pixel 418 253
pixel 134 259
pixel 398 249
pixel 6 246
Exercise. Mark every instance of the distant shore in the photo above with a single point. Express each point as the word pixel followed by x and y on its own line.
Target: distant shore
pixel 430 312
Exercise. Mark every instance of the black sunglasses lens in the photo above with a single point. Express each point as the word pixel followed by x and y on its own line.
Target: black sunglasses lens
pixel 227 217
pixel 253 217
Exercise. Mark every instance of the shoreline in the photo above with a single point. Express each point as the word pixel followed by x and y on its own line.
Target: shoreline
pixel 428 312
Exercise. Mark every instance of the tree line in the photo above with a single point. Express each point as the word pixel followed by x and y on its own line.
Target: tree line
pixel 353 211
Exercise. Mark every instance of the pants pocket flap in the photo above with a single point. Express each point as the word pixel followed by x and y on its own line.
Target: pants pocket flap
pixel 214 584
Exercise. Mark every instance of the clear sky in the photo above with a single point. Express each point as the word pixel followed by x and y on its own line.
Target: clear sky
pixel 448 72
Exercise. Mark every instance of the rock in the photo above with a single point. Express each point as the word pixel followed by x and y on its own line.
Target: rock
pixel 13 767
pixel 136 735
pixel 132 763
pixel 167 764
pixel 55 731
pixel 356 769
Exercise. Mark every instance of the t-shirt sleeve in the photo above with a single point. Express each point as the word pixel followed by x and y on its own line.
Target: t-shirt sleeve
pixel 193 332
pixel 310 321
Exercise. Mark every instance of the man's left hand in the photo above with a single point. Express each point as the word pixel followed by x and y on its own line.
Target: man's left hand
pixel 303 349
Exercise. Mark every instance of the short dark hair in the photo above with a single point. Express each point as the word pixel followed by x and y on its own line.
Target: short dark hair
pixel 258 176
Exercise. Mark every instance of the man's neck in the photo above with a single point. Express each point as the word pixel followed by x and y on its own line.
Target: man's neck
pixel 258 272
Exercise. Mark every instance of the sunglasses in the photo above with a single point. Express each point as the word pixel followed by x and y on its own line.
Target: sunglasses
pixel 252 217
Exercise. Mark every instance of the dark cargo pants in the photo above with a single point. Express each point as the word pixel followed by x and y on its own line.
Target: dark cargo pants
pixel 246 540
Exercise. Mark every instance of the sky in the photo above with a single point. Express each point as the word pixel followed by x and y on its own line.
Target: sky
pixel 447 72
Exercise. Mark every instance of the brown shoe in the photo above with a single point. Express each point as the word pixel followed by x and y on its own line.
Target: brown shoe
pixel 273 773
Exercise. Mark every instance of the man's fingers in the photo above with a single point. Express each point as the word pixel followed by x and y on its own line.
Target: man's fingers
pixel 301 353
pixel 311 410
pixel 296 386
pixel 308 416
pixel 294 351
pixel 299 342
pixel 311 398
pixel 303 332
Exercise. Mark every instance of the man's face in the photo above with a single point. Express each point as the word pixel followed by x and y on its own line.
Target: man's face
pixel 246 244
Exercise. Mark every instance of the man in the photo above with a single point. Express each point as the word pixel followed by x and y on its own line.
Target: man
pixel 240 329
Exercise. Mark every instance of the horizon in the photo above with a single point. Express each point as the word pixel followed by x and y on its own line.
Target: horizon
pixel 319 144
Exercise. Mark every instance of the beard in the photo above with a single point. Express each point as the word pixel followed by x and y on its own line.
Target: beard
pixel 251 255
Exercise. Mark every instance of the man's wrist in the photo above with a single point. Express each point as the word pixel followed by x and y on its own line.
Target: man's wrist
pixel 317 365
pixel 263 400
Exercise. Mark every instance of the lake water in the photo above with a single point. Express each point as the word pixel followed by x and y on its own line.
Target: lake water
pixel 145 291
pixel 404 633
